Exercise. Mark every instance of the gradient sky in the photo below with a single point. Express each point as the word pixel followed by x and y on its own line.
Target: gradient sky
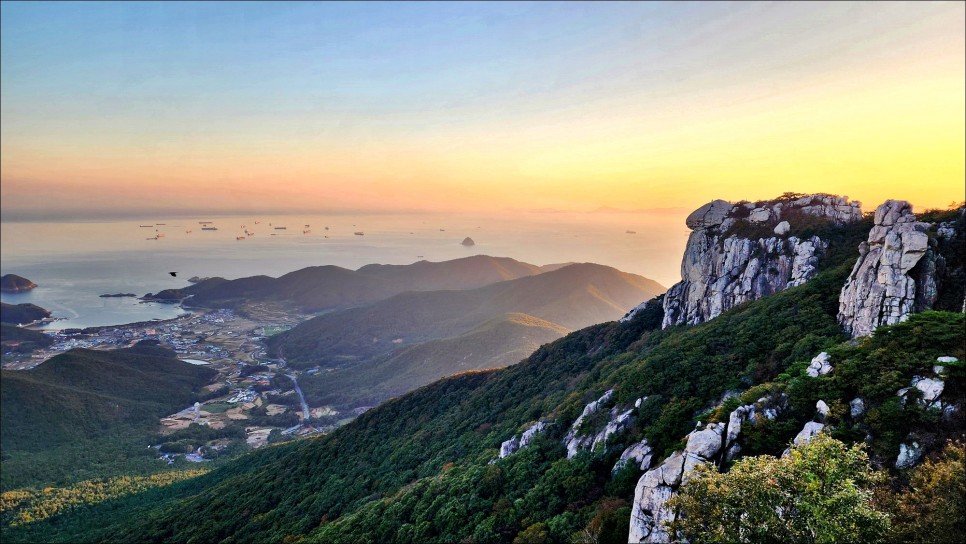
pixel 467 106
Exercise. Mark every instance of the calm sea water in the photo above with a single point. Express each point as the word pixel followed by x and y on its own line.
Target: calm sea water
pixel 74 263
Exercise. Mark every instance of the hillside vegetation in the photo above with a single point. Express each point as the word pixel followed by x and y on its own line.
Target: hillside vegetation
pixel 74 411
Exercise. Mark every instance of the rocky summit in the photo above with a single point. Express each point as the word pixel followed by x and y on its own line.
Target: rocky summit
pixel 896 273
pixel 742 252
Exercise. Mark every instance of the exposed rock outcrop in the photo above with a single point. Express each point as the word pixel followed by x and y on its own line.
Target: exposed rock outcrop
pixel 895 274
pixel 723 268
pixel 640 453
pixel 577 439
pixel 821 365
pixel 514 444
pixel 715 442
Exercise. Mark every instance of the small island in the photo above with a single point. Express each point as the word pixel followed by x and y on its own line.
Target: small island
pixel 468 242
pixel 12 283
pixel 118 295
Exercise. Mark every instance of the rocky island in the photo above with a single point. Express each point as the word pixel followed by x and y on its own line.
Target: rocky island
pixel 118 295
pixel 12 283
pixel 468 242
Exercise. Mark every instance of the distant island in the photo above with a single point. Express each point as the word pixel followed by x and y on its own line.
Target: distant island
pixel 12 283
pixel 468 242
pixel 119 295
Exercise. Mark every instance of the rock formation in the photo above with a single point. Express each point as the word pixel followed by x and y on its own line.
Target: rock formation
pixel 468 242
pixel 743 252
pixel 512 445
pixel 578 439
pixel 895 274
pixel 716 442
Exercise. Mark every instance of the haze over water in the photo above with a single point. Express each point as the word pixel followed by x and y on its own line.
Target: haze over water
pixel 75 262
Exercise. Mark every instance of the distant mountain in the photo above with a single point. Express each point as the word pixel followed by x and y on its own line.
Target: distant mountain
pixel 455 331
pixel 12 283
pixel 501 341
pixel 16 314
pixel 327 287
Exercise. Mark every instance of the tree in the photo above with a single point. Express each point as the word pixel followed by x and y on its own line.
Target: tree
pixel 933 509
pixel 820 493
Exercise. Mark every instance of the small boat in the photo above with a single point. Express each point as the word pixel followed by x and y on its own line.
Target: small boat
pixel 280 228
pixel 152 238
pixel 239 237
pixel 205 222
pixel 147 226
pixel 359 233
pixel 187 232
pixel 442 230
pixel 306 232
pixel 257 222
pixel 631 232
pixel 326 228
pixel 209 228
pixel 161 224
pixel 307 226
pixel 160 235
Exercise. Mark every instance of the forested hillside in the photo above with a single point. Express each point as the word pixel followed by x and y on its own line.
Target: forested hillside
pixel 76 410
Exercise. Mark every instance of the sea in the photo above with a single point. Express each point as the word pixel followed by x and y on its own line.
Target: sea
pixel 73 263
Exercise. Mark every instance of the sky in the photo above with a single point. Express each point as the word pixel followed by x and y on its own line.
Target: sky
pixel 481 107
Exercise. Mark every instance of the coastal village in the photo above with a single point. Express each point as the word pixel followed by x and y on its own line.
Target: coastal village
pixel 251 390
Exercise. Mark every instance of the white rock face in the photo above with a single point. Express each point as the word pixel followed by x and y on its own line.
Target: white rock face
pixel 808 432
pixel 886 285
pixel 821 408
pixel 618 423
pixel 514 444
pixel 650 513
pixel 857 407
pixel 909 454
pixel 947 359
pixel 930 388
pixel 640 453
pixel 719 272
pixel 709 215
pixel 821 365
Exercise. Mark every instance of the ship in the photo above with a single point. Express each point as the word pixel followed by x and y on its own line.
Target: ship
pixel 307 226
pixel 187 231
pixel 280 228
pixel 147 226
pixel 160 235
pixel 631 232
pixel 209 228
pixel 239 237
pixel 359 233
pixel 152 238
pixel 205 222
pixel 306 232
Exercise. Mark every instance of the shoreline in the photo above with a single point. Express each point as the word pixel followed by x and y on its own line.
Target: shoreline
pixel 98 328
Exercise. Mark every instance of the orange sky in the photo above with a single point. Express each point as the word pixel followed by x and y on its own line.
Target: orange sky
pixel 644 107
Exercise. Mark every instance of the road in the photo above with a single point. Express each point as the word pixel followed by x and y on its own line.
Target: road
pixel 305 406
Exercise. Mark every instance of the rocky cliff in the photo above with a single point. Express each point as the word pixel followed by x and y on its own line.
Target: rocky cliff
pixel 748 250
pixel 900 269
